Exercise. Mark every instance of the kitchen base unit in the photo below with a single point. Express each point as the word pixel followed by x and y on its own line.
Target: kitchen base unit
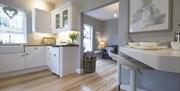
pixel 63 60
pixel 32 59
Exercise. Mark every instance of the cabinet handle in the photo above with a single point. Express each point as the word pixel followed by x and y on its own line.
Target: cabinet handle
pixel 27 54
pixel 54 55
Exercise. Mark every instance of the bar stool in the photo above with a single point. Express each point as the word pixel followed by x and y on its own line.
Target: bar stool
pixel 130 64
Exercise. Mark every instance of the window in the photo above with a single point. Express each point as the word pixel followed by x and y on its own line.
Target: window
pixel 88 38
pixel 12 30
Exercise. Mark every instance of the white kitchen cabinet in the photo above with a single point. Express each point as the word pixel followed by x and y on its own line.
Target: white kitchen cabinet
pixel 34 56
pixel 48 56
pixel 55 62
pixel 1 63
pixel 65 18
pixel 12 62
pixel 56 20
pixel 62 60
pixel 68 60
pixel 41 21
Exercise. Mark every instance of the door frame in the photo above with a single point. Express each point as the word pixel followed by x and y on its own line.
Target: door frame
pixel 82 13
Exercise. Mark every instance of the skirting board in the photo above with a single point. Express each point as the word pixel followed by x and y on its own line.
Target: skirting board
pixel 21 72
pixel 127 88
pixel 80 71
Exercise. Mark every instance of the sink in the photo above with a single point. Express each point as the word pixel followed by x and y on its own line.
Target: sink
pixel 8 49
pixel 11 44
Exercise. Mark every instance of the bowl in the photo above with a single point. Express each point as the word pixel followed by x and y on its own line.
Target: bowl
pixel 175 45
pixel 148 44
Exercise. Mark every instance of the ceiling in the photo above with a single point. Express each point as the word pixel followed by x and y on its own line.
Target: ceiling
pixel 53 1
pixel 105 13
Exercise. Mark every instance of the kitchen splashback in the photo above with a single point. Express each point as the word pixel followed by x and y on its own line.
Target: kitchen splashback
pixel 35 38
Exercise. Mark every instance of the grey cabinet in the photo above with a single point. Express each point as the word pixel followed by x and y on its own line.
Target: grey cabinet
pixel 176 15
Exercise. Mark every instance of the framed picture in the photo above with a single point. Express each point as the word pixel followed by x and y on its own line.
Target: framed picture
pixel 98 35
pixel 149 15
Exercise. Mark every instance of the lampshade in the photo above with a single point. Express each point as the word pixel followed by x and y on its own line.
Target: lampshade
pixel 102 44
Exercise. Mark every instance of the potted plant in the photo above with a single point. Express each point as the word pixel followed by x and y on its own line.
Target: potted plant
pixel 73 36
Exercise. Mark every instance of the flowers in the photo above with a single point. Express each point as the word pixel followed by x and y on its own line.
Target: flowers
pixel 73 36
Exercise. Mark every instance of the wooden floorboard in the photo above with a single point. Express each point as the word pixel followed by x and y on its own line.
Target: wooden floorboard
pixel 104 79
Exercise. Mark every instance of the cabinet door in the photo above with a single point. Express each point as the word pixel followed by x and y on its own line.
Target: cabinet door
pixel 62 19
pixel 48 56
pixel 12 62
pixel 56 24
pixel 41 21
pixel 65 18
pixel 35 57
pixel 176 15
pixel 1 63
pixel 58 20
pixel 55 64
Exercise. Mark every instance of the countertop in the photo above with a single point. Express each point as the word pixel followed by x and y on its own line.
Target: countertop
pixel 163 60
pixel 51 45
pixel 161 52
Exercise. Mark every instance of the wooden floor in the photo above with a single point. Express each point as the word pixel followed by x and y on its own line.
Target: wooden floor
pixel 103 80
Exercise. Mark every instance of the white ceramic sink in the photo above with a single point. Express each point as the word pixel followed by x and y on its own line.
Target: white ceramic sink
pixel 5 49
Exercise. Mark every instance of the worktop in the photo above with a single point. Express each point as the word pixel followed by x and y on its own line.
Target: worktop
pixel 51 45
pixel 164 60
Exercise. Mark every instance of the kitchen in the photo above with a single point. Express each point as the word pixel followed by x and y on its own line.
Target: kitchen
pixel 36 31
pixel 22 58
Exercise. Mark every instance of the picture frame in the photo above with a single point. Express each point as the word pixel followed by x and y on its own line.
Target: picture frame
pixel 98 35
pixel 150 15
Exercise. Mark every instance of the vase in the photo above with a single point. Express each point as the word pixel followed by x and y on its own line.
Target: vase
pixel 73 42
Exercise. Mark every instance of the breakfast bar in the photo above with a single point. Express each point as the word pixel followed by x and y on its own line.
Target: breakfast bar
pixel 163 59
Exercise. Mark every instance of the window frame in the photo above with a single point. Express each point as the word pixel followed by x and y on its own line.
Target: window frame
pixel 24 32
pixel 91 37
